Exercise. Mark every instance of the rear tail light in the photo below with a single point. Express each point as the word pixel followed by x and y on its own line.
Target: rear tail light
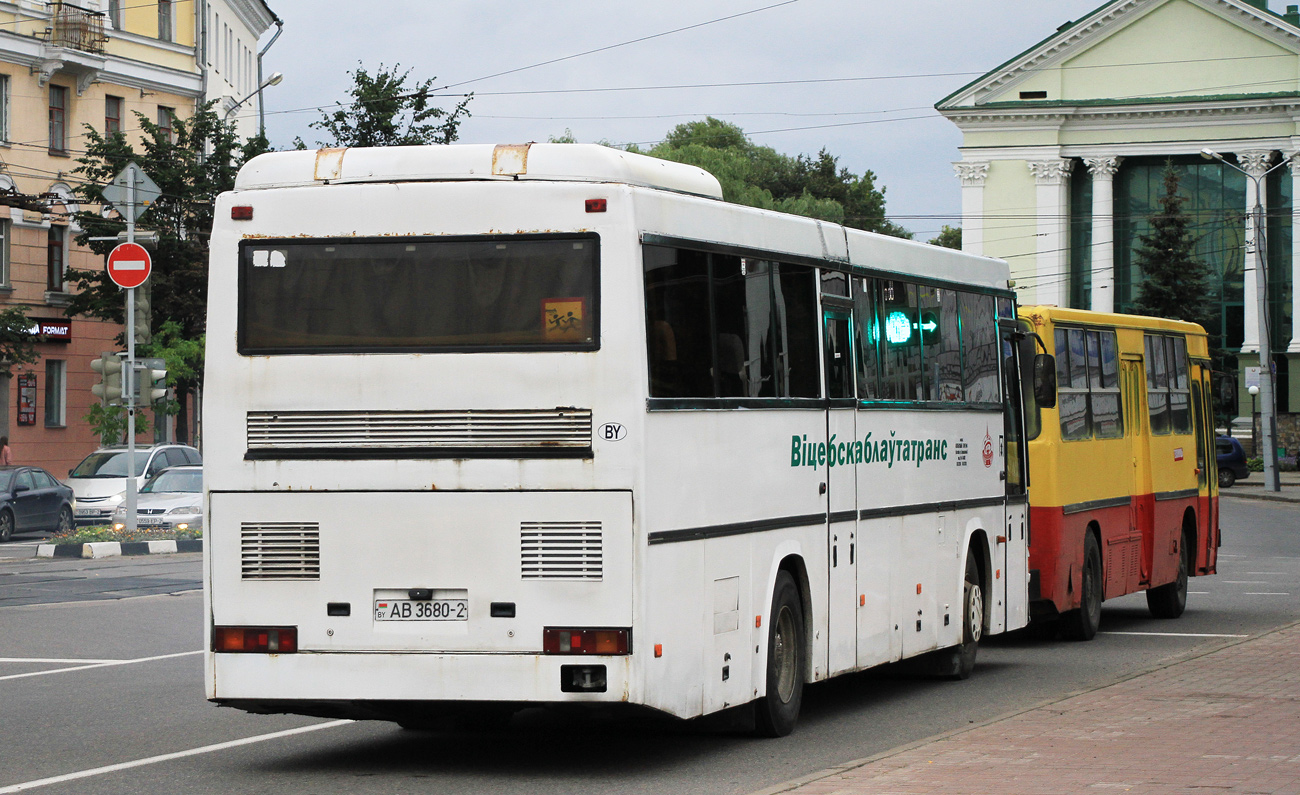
pixel 256 640
pixel 241 213
pixel 587 641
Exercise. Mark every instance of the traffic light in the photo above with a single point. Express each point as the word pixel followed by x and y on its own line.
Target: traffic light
pixel 109 388
pixel 151 380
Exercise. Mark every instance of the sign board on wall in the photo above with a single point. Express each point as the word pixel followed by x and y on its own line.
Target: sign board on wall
pixel 27 399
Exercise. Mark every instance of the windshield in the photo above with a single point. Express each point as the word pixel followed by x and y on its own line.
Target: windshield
pixel 503 293
pixel 171 480
pixel 6 480
pixel 110 465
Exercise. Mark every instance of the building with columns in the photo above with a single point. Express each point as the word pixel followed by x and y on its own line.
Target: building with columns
pixel 1064 146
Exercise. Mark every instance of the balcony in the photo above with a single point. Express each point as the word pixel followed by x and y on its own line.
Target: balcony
pixel 76 28
pixel 74 44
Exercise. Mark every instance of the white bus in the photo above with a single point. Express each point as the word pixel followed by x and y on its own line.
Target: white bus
pixel 489 427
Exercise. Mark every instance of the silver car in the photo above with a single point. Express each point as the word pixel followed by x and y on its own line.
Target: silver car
pixel 171 500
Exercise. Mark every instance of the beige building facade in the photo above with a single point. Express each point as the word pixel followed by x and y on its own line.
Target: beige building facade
pixel 1064 146
pixel 62 68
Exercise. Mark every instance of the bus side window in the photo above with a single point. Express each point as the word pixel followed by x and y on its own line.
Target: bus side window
pixel 1180 397
pixel 979 340
pixel 1072 383
pixel 1157 384
pixel 866 326
pixel 798 326
pixel 1104 392
pixel 901 354
pixel 678 338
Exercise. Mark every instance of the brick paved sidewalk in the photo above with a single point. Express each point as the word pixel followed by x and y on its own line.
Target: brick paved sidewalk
pixel 1224 722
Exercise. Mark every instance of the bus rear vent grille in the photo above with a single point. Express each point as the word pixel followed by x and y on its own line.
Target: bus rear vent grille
pixel 279 551
pixel 561 550
pixel 484 430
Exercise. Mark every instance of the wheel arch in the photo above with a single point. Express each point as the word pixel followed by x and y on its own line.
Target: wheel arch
pixel 977 544
pixel 794 564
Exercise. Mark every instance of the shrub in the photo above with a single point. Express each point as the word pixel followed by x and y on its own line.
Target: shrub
pixel 87 535
pixel 1255 464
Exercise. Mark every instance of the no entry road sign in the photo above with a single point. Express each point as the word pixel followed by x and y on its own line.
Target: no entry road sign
pixel 129 265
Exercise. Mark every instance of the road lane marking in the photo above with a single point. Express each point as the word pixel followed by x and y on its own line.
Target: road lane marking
pixel 1244 582
pixel 100 665
pixel 56 660
pixel 1264 593
pixel 1176 634
pixel 153 760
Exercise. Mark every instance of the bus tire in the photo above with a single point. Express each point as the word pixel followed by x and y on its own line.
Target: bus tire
pixel 959 661
pixel 776 712
pixel 1082 624
pixel 1170 600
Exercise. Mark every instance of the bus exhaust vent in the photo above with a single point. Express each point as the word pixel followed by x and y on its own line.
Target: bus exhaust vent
pixel 468 433
pixel 279 551
pixel 561 550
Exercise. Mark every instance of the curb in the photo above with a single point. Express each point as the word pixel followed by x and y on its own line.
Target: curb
pixel 112 549
pixel 1261 496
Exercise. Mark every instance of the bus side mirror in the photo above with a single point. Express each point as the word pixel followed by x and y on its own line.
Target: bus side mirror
pixel 1045 380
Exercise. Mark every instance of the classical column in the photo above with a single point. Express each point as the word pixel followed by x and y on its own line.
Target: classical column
pixel 972 174
pixel 1103 231
pixel 1052 279
pixel 1255 162
pixel 1293 162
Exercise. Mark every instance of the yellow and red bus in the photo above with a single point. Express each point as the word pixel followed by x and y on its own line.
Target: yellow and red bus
pixel 1123 490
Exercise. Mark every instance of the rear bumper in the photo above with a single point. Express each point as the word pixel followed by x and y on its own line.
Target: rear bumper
pixel 312 678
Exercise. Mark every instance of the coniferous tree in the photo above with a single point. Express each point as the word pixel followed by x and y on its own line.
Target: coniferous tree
pixel 1175 283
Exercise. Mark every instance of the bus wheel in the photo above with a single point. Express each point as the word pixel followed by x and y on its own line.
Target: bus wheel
pixel 959 661
pixel 1082 624
pixel 1169 601
pixel 776 712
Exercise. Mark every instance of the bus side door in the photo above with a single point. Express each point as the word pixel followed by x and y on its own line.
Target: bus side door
pixel 1011 546
pixel 841 478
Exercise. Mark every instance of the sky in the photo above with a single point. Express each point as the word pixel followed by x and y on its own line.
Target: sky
pixel 871 73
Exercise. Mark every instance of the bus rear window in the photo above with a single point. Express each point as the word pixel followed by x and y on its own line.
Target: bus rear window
pixel 514 293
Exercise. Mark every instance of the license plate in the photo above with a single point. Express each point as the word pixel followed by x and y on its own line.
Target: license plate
pixel 142 521
pixel 416 610
pixel 87 512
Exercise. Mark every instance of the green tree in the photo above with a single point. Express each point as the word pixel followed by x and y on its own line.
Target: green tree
pixel 192 165
pixel 948 237
pixel 759 176
pixel 1174 280
pixel 386 111
pixel 17 343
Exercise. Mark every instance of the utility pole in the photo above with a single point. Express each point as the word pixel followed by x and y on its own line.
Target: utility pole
pixel 128 372
pixel 1257 243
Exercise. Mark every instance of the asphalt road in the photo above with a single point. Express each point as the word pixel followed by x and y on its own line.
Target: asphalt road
pixel 62 716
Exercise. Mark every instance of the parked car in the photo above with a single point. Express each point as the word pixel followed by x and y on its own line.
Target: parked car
pixel 1232 461
pixel 32 500
pixel 171 500
pixel 99 481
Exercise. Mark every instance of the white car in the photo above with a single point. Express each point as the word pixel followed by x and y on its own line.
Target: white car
pixel 99 481
pixel 171 500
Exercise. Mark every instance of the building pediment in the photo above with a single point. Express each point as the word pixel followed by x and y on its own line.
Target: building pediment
pixel 1137 50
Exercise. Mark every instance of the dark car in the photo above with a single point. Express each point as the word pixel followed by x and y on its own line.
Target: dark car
pixel 31 500
pixel 1232 461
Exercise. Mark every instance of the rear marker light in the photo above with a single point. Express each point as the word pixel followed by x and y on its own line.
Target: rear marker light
pixel 586 641
pixel 596 205
pixel 241 213
pixel 255 640
pixel 659 650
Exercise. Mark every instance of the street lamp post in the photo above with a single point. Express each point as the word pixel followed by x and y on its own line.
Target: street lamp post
pixel 1258 239
pixel 273 80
